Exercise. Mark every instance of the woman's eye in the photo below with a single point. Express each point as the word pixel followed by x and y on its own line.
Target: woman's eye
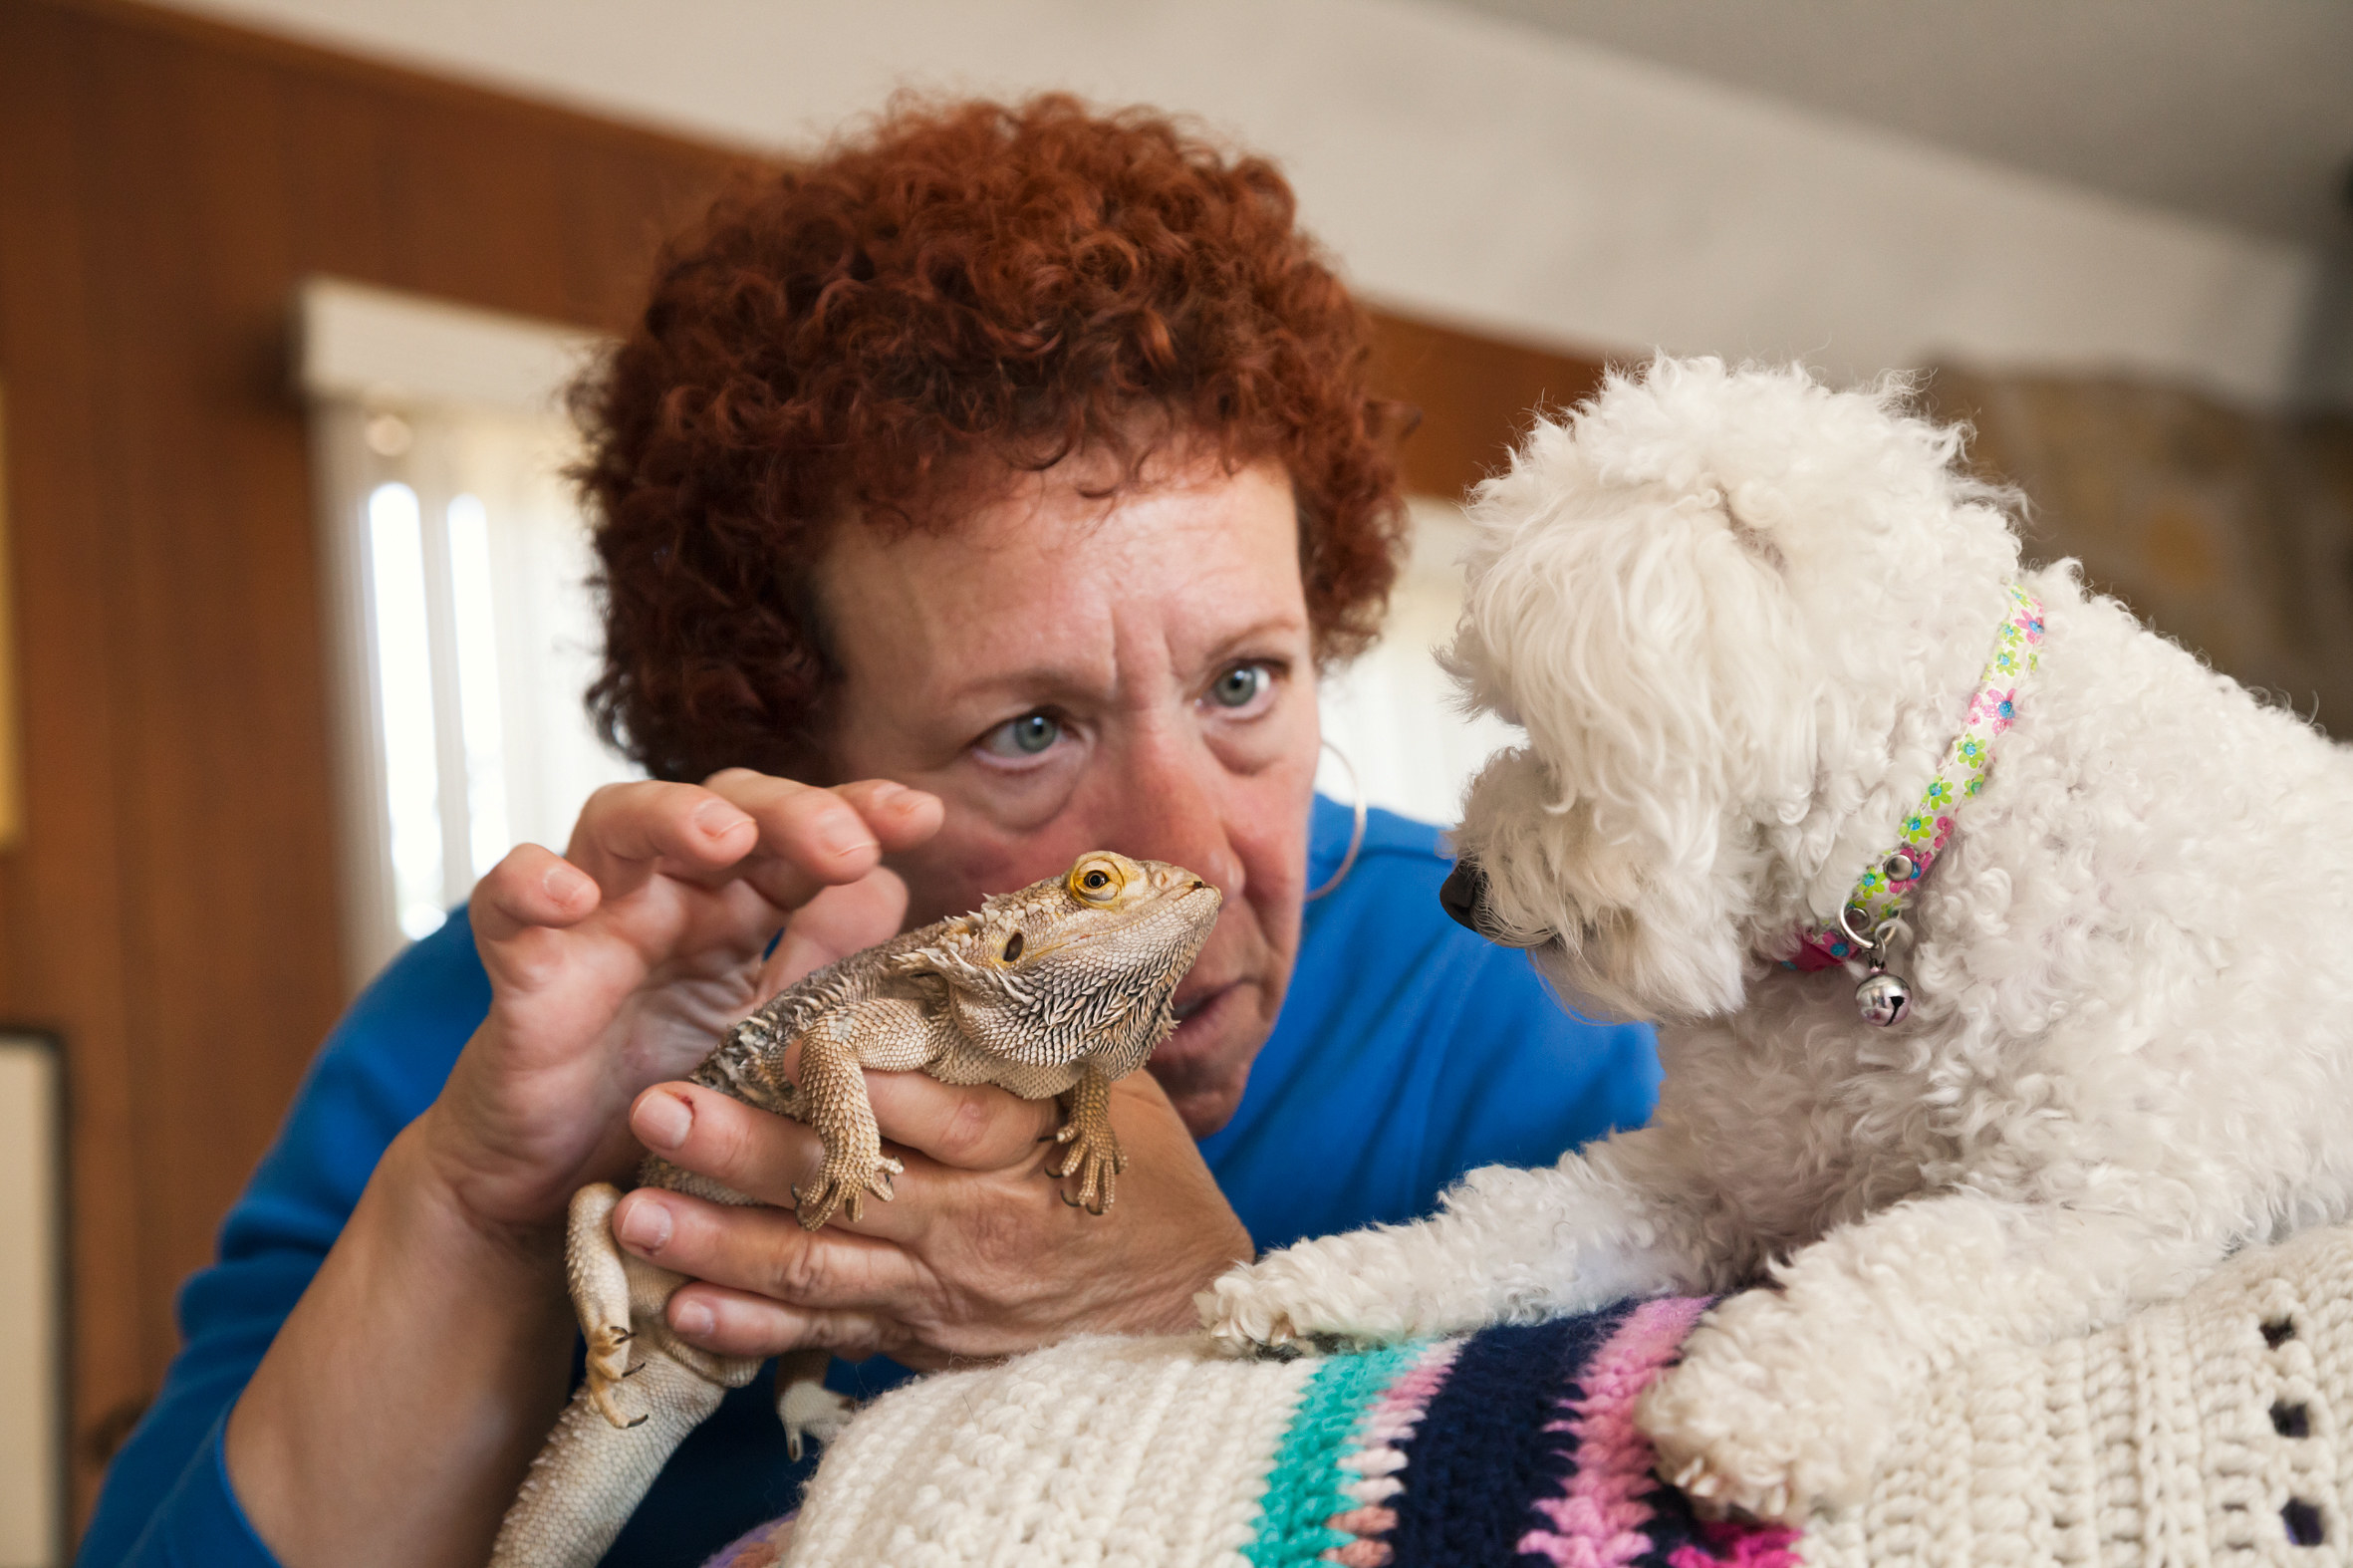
pixel 1026 736
pixel 1241 686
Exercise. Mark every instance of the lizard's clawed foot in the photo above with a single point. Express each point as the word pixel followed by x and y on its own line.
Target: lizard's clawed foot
pixel 843 1183
pixel 810 1410
pixel 1095 1158
pixel 608 1364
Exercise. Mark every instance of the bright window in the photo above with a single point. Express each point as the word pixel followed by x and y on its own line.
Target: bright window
pixel 1392 713
pixel 464 628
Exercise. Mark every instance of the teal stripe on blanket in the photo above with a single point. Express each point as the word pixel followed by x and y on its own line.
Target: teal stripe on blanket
pixel 1304 1488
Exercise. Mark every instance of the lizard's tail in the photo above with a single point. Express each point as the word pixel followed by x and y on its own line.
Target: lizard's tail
pixel 590 1477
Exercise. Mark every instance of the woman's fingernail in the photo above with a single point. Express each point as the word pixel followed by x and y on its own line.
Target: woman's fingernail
pixel 563 883
pixel 645 1225
pixel 716 816
pixel 663 1120
pixel 692 1319
pixel 848 838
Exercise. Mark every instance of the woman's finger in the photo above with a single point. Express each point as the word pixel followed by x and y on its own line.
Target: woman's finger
pixel 961 1126
pixel 627 833
pixel 766 1157
pixel 766 1252
pixel 739 1323
pixel 811 838
pixel 744 1148
pixel 967 1127
pixel 833 924
pixel 519 912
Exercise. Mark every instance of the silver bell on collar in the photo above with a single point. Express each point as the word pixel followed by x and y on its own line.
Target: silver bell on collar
pixel 1882 1000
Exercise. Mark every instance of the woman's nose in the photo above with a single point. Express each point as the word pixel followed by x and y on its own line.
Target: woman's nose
pixel 1169 804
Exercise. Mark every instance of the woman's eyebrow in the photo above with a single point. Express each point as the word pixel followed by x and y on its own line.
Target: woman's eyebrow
pixel 1241 642
pixel 1047 679
pixel 1027 683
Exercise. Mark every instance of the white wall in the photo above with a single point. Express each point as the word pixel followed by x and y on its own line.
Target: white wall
pixel 1464 167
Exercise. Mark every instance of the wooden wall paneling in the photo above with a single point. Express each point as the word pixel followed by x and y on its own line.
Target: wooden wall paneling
pixel 12 792
pixel 226 758
pixel 1474 395
pixel 341 162
pixel 475 213
pixel 60 890
pixel 618 203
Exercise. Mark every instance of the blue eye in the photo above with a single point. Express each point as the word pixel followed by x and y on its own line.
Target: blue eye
pixel 1241 686
pixel 1026 736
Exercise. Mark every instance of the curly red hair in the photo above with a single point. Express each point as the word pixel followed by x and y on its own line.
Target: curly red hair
pixel 970 290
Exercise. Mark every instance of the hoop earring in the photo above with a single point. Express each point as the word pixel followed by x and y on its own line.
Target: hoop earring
pixel 1355 837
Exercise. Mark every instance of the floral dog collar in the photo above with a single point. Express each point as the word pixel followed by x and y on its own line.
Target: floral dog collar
pixel 1868 919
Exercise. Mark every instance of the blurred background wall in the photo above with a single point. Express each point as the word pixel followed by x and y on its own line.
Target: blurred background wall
pixel 2118 228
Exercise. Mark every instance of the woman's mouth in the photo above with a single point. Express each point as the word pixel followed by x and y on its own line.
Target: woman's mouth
pixel 1200 1018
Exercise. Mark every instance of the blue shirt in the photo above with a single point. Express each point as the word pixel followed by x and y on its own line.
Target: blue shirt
pixel 1407 1052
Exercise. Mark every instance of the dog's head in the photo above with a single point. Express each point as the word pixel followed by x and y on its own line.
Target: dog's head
pixel 1726 606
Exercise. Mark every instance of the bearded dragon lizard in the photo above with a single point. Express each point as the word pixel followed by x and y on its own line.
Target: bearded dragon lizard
pixel 1052 991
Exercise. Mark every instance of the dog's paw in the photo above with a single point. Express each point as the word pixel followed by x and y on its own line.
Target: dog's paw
pixel 1301 1298
pixel 1754 1435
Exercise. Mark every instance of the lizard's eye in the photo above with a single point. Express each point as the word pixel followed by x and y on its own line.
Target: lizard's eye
pixel 1012 946
pixel 1096 879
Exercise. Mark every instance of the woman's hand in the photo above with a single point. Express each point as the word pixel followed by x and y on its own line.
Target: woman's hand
pixel 622 962
pixel 977 1255
pixel 400 1403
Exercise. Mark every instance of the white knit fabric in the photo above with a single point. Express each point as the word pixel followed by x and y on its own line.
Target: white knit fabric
pixel 1139 1452
pixel 2153 1443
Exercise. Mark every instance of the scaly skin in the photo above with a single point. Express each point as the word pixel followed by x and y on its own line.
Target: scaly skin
pixel 1056 990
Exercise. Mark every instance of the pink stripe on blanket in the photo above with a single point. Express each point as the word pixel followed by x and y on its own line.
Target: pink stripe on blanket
pixel 763 1547
pixel 1380 1454
pixel 1403 1403
pixel 1739 1546
pixel 1597 1521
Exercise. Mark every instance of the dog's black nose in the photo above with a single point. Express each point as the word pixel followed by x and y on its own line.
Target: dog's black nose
pixel 1460 893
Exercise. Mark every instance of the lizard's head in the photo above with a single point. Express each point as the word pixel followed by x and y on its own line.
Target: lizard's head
pixel 1077 964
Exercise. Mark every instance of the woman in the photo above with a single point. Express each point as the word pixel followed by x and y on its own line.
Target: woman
pixel 990 490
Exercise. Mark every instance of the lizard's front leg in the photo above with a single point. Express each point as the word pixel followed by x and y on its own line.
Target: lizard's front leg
pixel 1089 1149
pixel 832 1101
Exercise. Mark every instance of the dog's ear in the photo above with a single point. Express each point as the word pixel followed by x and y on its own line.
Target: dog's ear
pixel 1756 541
pixel 1642 633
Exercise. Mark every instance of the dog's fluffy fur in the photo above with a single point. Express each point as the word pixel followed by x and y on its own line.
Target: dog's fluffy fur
pixel 1740 617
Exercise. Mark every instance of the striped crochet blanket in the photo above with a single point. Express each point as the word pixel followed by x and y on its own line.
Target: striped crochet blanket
pixel 2215 1431
pixel 1515 1445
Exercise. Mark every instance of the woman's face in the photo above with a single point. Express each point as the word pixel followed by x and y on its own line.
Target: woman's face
pixel 1132 673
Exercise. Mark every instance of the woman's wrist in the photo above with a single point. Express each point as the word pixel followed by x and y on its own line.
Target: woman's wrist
pixel 411 1384
pixel 444 1174
pixel 441 1204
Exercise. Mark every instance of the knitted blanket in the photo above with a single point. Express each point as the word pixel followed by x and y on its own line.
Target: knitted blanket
pixel 2201 1432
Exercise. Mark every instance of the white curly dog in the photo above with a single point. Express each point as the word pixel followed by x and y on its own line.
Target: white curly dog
pixel 1749 624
